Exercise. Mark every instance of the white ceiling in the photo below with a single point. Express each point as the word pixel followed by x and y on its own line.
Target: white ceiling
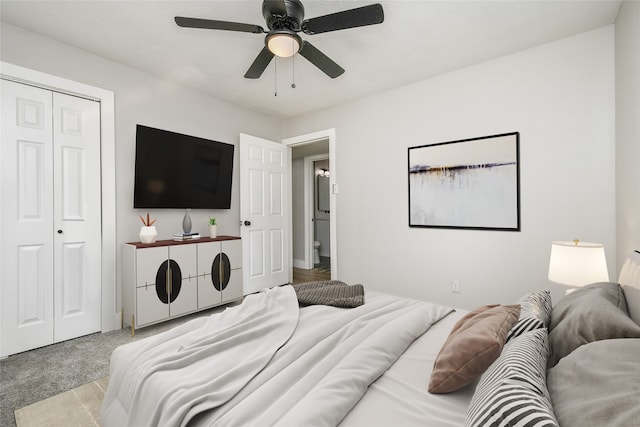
pixel 418 40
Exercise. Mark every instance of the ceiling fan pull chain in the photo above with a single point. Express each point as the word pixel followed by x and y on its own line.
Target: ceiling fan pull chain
pixel 275 76
pixel 293 72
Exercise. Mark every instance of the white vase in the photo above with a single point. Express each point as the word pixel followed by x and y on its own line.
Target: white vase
pixel 148 234
pixel 213 231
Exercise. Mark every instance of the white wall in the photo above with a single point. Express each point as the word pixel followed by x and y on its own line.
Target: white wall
pixel 142 98
pixel 559 96
pixel 628 129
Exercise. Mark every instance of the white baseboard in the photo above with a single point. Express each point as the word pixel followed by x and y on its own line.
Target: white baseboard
pixel 299 263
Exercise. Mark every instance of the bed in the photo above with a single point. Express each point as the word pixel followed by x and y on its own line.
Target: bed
pixel 390 362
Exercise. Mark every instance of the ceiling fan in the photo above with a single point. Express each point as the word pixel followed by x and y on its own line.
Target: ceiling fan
pixel 285 18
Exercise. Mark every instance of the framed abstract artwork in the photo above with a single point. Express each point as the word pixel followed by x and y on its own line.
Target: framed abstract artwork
pixel 471 183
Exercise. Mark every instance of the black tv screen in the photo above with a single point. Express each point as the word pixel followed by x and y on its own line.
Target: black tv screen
pixel 181 171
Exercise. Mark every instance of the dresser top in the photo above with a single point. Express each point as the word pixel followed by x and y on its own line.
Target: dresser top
pixel 171 242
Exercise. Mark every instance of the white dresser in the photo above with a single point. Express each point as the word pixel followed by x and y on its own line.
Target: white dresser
pixel 168 279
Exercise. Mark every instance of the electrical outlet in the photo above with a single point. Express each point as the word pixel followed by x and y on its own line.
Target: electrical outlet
pixel 455 286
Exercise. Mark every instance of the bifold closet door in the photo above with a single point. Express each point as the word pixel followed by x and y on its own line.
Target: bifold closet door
pixel 77 217
pixel 49 219
pixel 26 237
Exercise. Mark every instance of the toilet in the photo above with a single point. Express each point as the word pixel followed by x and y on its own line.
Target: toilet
pixel 316 253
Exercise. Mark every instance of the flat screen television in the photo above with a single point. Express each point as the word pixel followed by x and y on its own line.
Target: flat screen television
pixel 173 170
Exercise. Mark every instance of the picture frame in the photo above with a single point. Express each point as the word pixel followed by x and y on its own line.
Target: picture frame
pixel 466 184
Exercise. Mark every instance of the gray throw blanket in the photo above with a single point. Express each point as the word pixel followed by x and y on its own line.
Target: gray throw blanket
pixel 330 292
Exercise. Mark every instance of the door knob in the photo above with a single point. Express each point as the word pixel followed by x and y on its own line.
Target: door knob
pixel 59 231
pixel 247 223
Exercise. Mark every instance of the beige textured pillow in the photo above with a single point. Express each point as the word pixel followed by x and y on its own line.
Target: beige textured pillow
pixel 473 344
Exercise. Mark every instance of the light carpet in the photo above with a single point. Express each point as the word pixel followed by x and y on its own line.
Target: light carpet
pixel 36 375
pixel 77 407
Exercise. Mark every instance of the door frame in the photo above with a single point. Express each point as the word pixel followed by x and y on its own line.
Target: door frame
pixel 110 319
pixel 326 134
pixel 309 206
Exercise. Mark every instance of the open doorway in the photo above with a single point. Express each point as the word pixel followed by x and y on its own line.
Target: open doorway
pixel 322 138
pixel 311 219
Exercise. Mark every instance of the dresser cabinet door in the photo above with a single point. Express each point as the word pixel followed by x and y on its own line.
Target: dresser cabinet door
pixel 184 286
pixel 233 250
pixel 232 289
pixel 148 261
pixel 208 295
pixel 149 307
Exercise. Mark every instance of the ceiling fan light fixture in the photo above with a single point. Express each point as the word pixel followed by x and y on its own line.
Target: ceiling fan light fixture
pixel 283 43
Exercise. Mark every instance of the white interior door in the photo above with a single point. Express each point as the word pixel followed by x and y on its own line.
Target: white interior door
pixel 26 249
pixel 77 216
pixel 264 215
pixel 50 217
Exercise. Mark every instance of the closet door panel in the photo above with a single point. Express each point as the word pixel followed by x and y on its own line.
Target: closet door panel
pixel 77 216
pixel 32 303
pixel 26 213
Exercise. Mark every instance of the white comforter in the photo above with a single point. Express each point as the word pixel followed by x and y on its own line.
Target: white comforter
pixel 263 363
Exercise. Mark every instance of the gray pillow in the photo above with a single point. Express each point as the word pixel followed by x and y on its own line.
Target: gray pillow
pixel 592 313
pixel 598 385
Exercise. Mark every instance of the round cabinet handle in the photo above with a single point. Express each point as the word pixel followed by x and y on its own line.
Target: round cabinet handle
pixel 59 231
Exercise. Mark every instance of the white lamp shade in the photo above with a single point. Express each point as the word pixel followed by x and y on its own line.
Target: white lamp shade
pixel 577 264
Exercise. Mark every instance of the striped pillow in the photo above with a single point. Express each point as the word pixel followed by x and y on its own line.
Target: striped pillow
pixel 513 391
pixel 535 313
pixel 537 304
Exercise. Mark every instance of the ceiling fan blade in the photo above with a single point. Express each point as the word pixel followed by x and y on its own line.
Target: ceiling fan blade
pixel 259 64
pixel 359 17
pixel 211 24
pixel 320 60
